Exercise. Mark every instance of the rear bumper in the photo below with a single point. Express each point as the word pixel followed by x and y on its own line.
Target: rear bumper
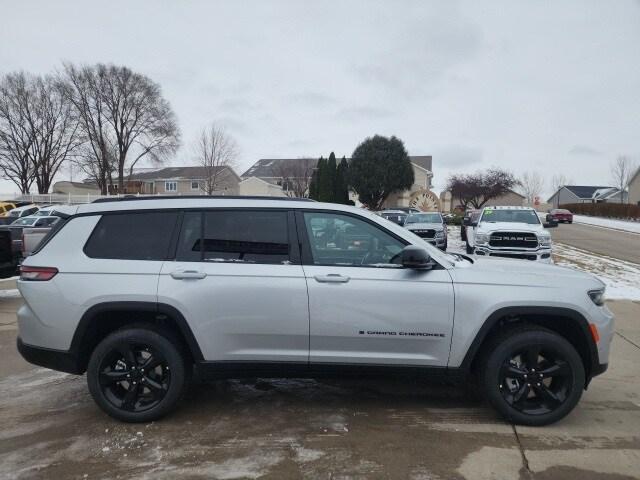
pixel 60 360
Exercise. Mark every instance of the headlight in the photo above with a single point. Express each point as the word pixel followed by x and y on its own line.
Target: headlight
pixel 545 240
pixel 597 296
pixel 482 237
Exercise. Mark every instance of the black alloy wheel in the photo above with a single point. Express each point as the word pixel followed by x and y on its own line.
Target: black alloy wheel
pixel 532 376
pixel 137 374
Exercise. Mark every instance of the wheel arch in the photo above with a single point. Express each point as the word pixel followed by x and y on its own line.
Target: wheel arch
pixel 568 323
pixel 104 318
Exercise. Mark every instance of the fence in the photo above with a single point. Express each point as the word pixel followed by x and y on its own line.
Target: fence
pixel 66 198
pixel 611 210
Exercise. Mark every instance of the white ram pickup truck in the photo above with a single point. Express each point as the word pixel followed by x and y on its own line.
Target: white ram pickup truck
pixel 509 232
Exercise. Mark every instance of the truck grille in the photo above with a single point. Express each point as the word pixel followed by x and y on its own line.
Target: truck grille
pixel 513 240
pixel 425 233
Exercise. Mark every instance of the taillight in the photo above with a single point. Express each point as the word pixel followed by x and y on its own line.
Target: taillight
pixel 37 274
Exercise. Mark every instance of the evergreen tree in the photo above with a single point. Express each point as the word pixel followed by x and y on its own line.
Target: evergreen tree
pixel 379 166
pixel 329 185
pixel 341 191
pixel 321 170
pixel 313 184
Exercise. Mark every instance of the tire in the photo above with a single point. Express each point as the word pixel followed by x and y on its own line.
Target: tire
pixel 444 247
pixel 124 352
pixel 570 221
pixel 470 249
pixel 463 234
pixel 553 395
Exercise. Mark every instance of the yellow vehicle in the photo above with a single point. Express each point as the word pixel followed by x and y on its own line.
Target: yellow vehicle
pixel 5 207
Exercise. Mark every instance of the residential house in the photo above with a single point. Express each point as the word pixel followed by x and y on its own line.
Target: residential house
pixel 180 181
pixel 586 194
pixel 633 189
pixel 273 170
pixel 75 188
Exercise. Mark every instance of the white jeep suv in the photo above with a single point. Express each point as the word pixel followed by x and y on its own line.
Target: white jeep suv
pixel 138 293
pixel 509 232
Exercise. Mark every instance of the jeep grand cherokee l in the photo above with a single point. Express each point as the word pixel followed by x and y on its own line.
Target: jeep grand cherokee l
pixel 138 293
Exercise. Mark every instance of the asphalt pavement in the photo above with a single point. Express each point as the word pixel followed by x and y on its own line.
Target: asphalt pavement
pixel 604 241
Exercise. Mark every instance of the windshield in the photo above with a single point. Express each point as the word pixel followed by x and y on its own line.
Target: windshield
pixel 423 218
pixel 510 216
pixel 44 213
pixel 25 221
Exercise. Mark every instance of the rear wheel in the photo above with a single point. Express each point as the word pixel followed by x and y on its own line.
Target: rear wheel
pixel 137 374
pixel 470 249
pixel 533 376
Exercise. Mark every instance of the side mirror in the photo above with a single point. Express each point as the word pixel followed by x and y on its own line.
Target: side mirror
pixel 416 258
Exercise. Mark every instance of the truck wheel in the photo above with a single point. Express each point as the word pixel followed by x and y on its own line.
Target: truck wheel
pixel 532 376
pixel 470 249
pixel 137 374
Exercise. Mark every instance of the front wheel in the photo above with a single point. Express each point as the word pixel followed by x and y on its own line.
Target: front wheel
pixel 137 374
pixel 533 376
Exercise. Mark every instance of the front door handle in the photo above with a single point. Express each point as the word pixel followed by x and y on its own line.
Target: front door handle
pixel 188 275
pixel 331 278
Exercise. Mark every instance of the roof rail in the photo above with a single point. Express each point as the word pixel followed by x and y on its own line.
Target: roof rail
pixel 128 198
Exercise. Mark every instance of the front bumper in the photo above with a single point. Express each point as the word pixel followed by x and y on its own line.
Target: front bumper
pixel 538 255
pixel 436 242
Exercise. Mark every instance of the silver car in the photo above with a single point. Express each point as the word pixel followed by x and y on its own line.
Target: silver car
pixel 139 293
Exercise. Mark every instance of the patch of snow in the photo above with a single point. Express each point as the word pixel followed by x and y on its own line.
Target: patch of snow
pixel 633 227
pixel 621 277
pixel 10 293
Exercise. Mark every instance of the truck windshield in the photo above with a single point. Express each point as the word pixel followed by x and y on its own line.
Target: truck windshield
pixel 423 218
pixel 510 216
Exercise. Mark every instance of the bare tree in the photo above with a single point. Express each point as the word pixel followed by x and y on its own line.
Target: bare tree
pixel 622 168
pixel 38 132
pixel 15 136
pixel 531 185
pixel 296 176
pixel 124 119
pixel 217 154
pixel 558 181
pixel 476 189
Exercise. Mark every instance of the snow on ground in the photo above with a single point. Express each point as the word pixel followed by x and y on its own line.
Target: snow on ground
pixel 10 293
pixel 622 278
pixel 633 227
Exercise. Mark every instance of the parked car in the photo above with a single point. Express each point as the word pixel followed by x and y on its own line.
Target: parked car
pixel 33 235
pixel 396 216
pixel 429 226
pixel 509 232
pixel 16 227
pixel 561 215
pixel 137 293
pixel 5 208
pixel 406 210
pixel 8 261
pixel 24 211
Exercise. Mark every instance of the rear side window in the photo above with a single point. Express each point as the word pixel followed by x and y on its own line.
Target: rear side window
pixel 234 236
pixel 132 236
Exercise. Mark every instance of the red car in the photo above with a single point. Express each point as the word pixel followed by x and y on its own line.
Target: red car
pixel 561 215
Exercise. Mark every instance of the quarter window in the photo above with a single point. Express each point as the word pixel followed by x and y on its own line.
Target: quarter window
pixel 234 236
pixel 170 186
pixel 336 239
pixel 132 236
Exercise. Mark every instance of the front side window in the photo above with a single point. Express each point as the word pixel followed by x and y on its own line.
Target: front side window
pixel 170 186
pixel 234 236
pixel 132 236
pixel 336 239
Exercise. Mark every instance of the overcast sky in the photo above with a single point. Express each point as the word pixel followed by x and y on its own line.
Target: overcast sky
pixel 552 86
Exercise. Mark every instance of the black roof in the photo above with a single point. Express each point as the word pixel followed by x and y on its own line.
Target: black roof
pixel 584 191
pixel 269 167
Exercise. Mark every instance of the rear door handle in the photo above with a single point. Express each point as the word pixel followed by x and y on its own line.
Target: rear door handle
pixel 331 278
pixel 188 274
